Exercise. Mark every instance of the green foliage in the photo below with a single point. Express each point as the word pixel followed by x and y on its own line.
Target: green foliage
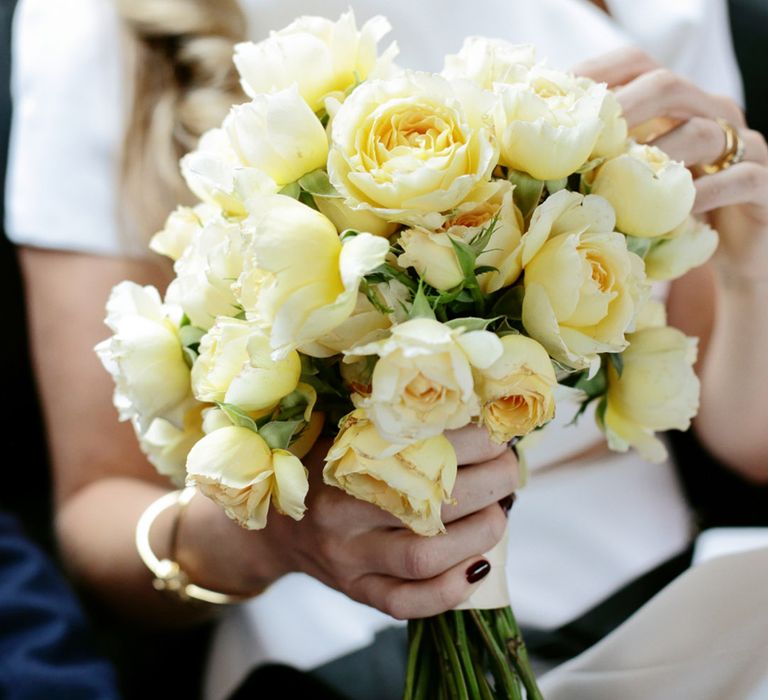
pixel 617 360
pixel 421 307
pixel 292 189
pixel 238 416
pixel 528 191
pixel 279 434
pixel 317 184
pixel 639 246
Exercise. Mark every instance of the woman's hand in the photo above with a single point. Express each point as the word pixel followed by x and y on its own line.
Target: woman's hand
pixel 361 550
pixel 735 199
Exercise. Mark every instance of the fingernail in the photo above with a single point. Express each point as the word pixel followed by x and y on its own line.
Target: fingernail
pixel 507 502
pixel 478 570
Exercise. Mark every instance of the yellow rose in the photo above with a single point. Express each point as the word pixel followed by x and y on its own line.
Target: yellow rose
pixel 613 136
pixel 411 147
pixel 657 390
pixel 234 366
pixel 422 383
pixel 489 61
pixel 690 245
pixel 411 481
pixel 652 314
pixel 235 468
pixel 432 255
pixel 205 271
pixel 517 391
pixel 344 218
pixel 277 134
pixel 650 193
pixel 180 228
pixel 299 281
pixel 365 325
pixel 315 54
pixel 583 288
pixel 550 124
pixel 167 445
pixel 144 356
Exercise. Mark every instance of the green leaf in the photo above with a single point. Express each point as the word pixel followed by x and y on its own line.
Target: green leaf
pixel 238 416
pixel 597 386
pixel 421 307
pixel 387 271
pixel 308 200
pixel 191 335
pixel 278 434
pixel 466 257
pixel 639 246
pixel 600 411
pixel 483 269
pixel 318 184
pixel 470 323
pixel 510 303
pixel 241 316
pixel 480 241
pixel 370 293
pixel 557 185
pixel 617 360
pixel 184 321
pixel 189 356
pixel 465 296
pixel 291 190
pixel 528 191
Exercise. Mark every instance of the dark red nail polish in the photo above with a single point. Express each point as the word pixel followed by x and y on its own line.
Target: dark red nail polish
pixel 478 570
pixel 507 502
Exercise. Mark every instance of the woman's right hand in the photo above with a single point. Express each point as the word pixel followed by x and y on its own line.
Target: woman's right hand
pixel 359 549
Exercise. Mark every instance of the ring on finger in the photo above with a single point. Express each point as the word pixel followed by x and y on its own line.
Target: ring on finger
pixel 733 152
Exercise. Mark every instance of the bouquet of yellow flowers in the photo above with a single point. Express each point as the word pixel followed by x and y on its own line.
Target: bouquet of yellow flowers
pixel 386 255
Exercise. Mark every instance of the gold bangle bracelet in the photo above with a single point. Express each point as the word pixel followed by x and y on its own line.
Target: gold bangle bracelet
pixel 169 576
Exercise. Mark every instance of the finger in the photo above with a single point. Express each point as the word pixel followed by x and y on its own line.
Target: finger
pixel 473 444
pixel 662 93
pixel 333 509
pixel 410 600
pixel 480 485
pixel 745 183
pixel 406 555
pixel 617 67
pixel 699 141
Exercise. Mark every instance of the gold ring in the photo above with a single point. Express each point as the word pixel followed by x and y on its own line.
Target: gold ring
pixel 733 152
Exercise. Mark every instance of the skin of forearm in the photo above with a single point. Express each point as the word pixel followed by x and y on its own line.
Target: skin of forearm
pixel 732 420
pixel 96 534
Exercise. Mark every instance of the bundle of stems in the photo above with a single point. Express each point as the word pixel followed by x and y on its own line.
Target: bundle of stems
pixel 468 655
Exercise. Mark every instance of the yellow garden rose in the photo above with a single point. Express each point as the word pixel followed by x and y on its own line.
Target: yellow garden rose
pixel 277 134
pixel 583 288
pixel 317 55
pixel 657 390
pixel 181 226
pixel 235 366
pixel 422 383
pixel 235 468
pixel 490 61
pixel 299 281
pixel 517 391
pixel 550 124
pixel 613 136
pixel 411 482
pixel 690 245
pixel 432 255
pixel 144 356
pixel 344 218
pixel 409 148
pixel 650 193
pixel 205 271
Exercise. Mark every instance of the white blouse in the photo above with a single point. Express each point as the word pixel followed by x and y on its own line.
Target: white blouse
pixel 582 527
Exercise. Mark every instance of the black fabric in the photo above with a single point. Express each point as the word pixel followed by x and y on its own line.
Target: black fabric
pixel 749 27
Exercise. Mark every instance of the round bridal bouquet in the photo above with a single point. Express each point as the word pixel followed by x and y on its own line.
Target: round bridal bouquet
pixel 384 255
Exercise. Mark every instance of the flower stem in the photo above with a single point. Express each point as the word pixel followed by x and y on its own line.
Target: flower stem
pixel 504 673
pixel 415 635
pixel 462 648
pixel 519 655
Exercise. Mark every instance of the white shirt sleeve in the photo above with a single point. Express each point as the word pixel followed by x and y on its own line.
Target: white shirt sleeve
pixel 67 83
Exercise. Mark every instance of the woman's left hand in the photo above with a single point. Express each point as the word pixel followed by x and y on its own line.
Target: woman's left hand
pixel 735 200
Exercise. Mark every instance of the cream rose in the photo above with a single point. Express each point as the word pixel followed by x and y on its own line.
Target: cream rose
pixel 205 273
pixel 344 218
pixel 490 61
pixel 167 445
pixel 299 281
pixel 690 245
pixel 583 288
pixel 277 134
pixel 411 147
pixel 613 136
pixel 550 124
pixel 234 366
pixel 411 482
pixel 144 356
pixel 317 55
pixel 432 255
pixel 180 228
pixel 657 390
pixel 235 468
pixel 650 193
pixel 422 383
pixel 517 391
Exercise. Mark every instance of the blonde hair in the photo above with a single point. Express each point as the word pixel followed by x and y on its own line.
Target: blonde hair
pixel 184 82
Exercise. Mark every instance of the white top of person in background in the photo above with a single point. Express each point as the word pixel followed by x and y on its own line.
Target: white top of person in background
pixel 584 525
